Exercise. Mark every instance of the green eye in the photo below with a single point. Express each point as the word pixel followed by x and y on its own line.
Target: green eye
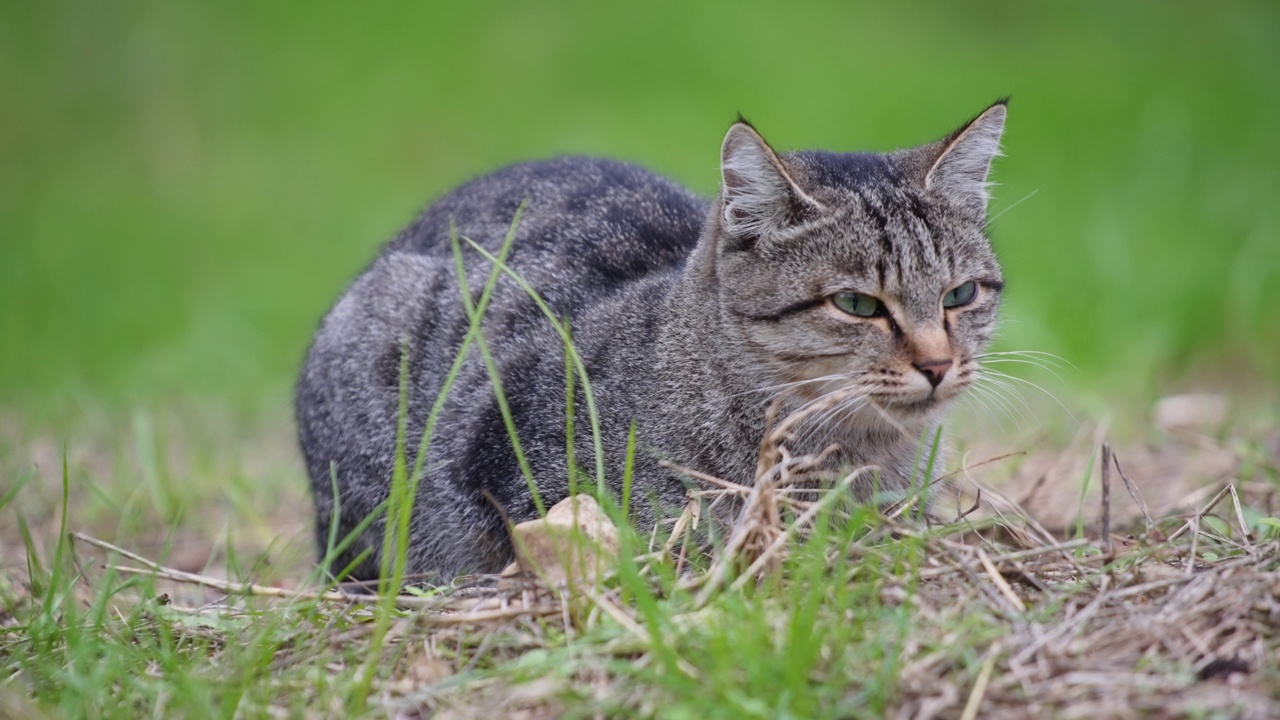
pixel 960 295
pixel 857 304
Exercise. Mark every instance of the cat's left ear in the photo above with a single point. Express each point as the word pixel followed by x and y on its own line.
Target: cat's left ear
pixel 758 194
pixel 960 169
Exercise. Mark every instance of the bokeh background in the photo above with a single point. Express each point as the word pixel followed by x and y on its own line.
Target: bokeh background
pixel 186 186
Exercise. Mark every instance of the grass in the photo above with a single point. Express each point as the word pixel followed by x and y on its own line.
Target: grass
pixel 183 189
pixel 861 614
pixel 804 605
pixel 187 187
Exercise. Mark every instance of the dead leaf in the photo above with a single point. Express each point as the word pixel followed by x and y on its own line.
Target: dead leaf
pixel 572 543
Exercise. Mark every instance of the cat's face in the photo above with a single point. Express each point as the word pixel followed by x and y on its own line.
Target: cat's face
pixel 862 279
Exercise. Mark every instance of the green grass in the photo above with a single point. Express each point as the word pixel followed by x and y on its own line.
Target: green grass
pixel 863 617
pixel 185 187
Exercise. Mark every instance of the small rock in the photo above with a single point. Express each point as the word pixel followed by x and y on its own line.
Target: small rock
pixel 573 543
pixel 1202 412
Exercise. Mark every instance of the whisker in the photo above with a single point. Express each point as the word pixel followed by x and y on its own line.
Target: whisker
pixel 982 392
pixel 997 373
pixel 822 420
pixel 1016 204
pixel 1009 409
pixel 885 416
pixel 826 397
pixel 1048 356
pixel 827 421
pixel 973 398
pixel 1024 361
pixel 829 395
pixel 796 383
pixel 996 384
pixel 844 410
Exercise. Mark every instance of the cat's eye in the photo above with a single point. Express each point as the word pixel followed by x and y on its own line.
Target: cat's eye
pixel 962 294
pixel 857 304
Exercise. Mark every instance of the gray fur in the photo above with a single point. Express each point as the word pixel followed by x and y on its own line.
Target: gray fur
pixel 692 318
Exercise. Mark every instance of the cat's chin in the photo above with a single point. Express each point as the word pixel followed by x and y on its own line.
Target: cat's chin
pixel 914 409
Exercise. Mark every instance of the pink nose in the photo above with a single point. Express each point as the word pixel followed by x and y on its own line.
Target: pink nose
pixel 934 370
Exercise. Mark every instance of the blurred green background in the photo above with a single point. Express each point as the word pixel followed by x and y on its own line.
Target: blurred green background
pixel 186 186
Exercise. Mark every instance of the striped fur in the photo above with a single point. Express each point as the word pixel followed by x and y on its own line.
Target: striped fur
pixel 692 316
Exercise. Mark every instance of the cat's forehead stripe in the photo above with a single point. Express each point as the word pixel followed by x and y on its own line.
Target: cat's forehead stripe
pixel 898 220
pixel 908 243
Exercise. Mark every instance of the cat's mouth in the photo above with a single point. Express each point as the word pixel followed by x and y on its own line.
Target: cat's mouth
pixel 909 406
pixel 913 405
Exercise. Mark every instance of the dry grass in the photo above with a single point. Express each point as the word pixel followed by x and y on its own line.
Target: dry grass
pixel 1012 613
pixel 1084 635
pixel 1153 591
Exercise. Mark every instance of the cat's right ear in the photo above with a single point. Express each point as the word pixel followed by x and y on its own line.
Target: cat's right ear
pixel 963 162
pixel 759 196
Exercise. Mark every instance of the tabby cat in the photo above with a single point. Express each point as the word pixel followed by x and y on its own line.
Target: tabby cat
pixel 811 275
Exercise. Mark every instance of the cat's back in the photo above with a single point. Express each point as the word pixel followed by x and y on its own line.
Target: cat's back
pixel 587 220
pixel 594 236
pixel 589 230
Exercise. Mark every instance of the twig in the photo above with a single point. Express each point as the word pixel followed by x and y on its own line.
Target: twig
pixel 962 514
pixel 1067 626
pixel 230 588
pixel 1106 499
pixel 731 486
pixel 781 540
pixel 1217 498
pixel 682 522
pixel 641 633
pixel 1244 526
pixel 980 463
pixel 979 687
pixel 233 588
pixel 1013 556
pixel 1001 583
pixel 1133 491
pixel 1195 541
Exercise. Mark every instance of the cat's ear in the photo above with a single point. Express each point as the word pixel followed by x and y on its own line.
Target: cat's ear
pixel 960 169
pixel 759 195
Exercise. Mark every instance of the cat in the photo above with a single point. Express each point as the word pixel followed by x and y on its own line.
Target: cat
pixel 811 275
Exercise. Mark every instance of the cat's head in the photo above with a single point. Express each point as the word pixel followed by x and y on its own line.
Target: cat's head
pixel 866 274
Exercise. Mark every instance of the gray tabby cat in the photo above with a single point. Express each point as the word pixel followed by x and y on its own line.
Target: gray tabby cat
pixel 811 273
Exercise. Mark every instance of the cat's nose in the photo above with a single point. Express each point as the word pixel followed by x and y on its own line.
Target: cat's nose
pixel 934 370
